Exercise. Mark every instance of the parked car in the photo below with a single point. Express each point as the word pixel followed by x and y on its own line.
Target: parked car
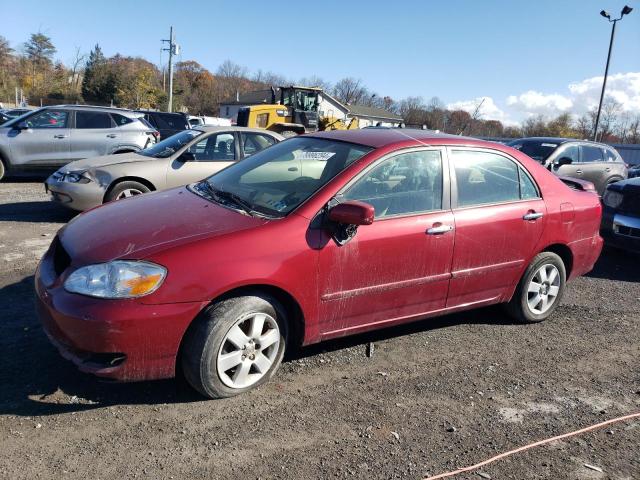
pixel 197 121
pixel 4 118
pixel 621 215
pixel 54 136
pixel 319 236
pixel 165 122
pixel 185 157
pixel 595 162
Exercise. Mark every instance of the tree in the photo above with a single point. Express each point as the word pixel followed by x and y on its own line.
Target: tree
pixel 39 49
pixel 6 61
pixel 98 83
pixel 350 91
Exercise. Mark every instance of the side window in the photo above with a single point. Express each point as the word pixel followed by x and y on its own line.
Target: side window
pixel 121 119
pixel 591 154
pixel 484 177
pixel 528 189
pixel 173 121
pixel 404 184
pixel 572 152
pixel 219 147
pixel 48 119
pixel 93 120
pixel 254 142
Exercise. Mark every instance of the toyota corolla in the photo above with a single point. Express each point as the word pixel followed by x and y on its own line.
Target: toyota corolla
pixel 321 236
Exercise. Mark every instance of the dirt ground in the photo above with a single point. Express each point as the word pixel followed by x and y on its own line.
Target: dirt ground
pixel 434 396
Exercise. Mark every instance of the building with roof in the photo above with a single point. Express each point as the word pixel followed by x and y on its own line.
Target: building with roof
pixel 328 106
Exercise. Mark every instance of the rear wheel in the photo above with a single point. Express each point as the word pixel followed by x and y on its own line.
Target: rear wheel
pixel 540 289
pixel 2 169
pixel 126 189
pixel 234 346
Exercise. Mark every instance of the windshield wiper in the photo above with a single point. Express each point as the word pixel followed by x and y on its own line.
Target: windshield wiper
pixel 223 196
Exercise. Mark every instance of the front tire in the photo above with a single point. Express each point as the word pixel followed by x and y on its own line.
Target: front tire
pixel 235 345
pixel 126 189
pixel 540 290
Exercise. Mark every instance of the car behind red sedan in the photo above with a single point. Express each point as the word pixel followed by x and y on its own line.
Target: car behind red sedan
pixel 317 237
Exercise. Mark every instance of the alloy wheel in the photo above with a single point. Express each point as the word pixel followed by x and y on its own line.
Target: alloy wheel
pixel 248 350
pixel 543 289
pixel 128 192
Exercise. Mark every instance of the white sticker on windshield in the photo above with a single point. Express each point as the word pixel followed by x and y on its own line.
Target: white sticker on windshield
pixel 552 145
pixel 321 156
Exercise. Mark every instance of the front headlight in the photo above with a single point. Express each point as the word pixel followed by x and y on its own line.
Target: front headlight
pixel 75 177
pixel 612 198
pixel 117 279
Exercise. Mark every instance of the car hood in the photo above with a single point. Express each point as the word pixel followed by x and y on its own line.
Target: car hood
pixel 97 162
pixel 137 227
pixel 626 185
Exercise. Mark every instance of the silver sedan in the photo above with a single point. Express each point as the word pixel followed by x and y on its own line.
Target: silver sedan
pixel 186 157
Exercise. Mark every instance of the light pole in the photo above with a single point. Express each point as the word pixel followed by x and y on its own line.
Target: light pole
pixel 625 11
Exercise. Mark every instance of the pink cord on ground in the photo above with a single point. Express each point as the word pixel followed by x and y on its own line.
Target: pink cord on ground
pixel 536 444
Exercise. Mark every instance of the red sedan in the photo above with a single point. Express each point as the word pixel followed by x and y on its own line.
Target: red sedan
pixel 321 236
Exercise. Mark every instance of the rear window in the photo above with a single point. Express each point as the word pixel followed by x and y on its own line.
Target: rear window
pixel 591 154
pixel 171 121
pixel 93 120
pixel 538 150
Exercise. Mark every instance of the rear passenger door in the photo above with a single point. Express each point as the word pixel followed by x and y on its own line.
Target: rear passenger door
pixel 92 135
pixel 210 155
pixel 499 218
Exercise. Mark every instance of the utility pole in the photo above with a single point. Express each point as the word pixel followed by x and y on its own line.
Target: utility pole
pixel 173 49
pixel 625 11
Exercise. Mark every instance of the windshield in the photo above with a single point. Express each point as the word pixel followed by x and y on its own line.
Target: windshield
pixel 536 149
pixel 278 179
pixel 171 145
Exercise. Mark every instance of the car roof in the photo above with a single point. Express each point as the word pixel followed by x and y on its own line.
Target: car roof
pixel 558 140
pixel 383 137
pixel 231 128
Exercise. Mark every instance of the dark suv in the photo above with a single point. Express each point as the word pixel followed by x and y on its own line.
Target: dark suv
pixel 166 123
pixel 596 162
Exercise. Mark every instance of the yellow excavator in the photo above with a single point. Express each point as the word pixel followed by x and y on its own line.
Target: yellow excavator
pixel 293 113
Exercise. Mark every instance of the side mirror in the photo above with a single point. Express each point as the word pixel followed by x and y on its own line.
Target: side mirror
pixel 352 212
pixel 187 156
pixel 21 126
pixel 562 161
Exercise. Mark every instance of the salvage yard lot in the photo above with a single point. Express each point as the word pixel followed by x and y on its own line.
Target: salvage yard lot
pixel 435 395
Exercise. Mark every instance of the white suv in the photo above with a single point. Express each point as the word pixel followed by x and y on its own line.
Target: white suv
pixel 54 136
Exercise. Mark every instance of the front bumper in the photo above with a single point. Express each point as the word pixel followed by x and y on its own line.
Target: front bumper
pixel 123 340
pixel 620 230
pixel 77 196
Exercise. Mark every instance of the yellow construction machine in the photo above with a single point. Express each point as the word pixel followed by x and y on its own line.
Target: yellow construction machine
pixel 293 110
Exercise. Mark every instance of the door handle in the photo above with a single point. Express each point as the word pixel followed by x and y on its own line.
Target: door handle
pixel 439 230
pixel 112 135
pixel 532 216
pixel 293 169
pixel 59 136
pixel 608 169
pixel 579 172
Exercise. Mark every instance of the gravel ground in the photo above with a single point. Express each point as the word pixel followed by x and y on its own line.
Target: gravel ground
pixel 436 395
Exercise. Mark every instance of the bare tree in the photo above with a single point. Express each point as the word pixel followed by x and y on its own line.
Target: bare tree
pixel 229 69
pixel 76 64
pixel 350 90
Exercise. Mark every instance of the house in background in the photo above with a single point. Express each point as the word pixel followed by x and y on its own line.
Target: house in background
pixel 327 107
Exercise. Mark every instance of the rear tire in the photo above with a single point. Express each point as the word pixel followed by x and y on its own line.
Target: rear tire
pixel 540 290
pixel 126 189
pixel 2 169
pixel 234 345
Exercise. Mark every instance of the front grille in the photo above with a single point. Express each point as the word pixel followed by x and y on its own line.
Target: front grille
pixel 627 231
pixel 61 259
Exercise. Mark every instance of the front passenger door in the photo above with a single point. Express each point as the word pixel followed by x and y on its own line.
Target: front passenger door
pixel 210 155
pixel 45 141
pixel 399 266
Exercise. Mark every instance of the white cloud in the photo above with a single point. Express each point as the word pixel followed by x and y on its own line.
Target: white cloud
pixel 532 102
pixel 623 87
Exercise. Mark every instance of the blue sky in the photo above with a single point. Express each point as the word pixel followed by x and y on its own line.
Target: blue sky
pixel 456 50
